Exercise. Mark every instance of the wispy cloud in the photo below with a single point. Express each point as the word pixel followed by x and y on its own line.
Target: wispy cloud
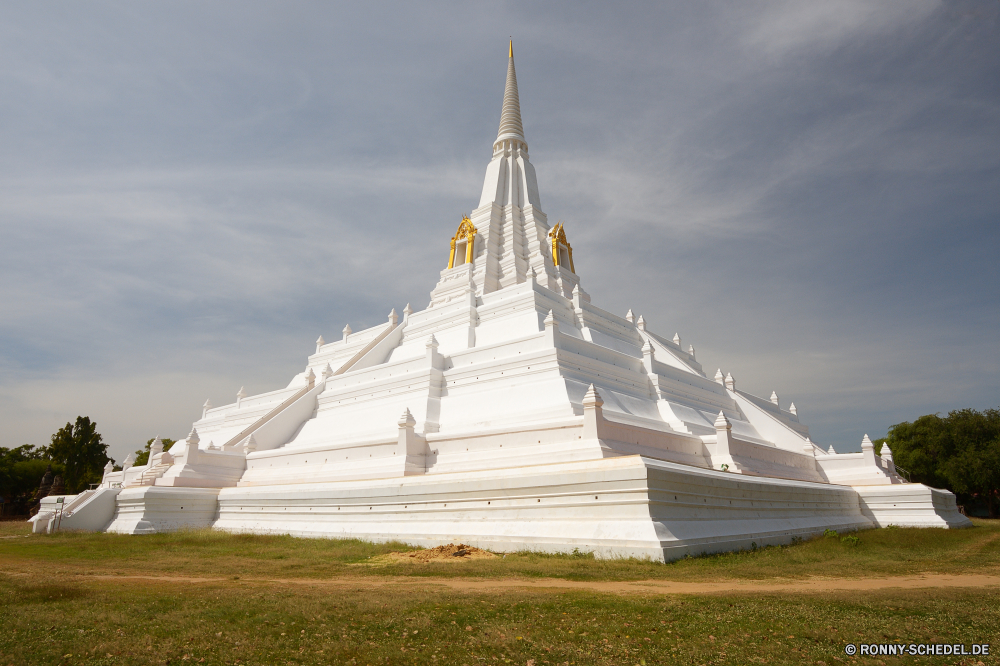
pixel 189 195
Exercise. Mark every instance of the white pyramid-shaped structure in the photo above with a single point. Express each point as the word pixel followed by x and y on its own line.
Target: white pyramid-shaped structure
pixel 513 413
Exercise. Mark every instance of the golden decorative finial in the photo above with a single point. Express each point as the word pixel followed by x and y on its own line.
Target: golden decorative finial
pixel 511 49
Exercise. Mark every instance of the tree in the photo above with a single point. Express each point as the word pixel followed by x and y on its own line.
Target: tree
pixel 960 452
pixel 142 455
pixel 81 450
pixel 21 468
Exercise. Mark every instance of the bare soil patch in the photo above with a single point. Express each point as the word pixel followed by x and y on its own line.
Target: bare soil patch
pixel 644 587
pixel 449 554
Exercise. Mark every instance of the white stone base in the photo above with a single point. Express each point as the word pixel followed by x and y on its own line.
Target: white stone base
pixel 620 507
pixel 150 509
pixel 911 505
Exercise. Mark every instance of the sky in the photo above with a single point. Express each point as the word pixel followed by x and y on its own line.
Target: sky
pixel 192 192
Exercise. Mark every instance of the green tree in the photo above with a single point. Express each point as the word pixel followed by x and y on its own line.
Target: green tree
pixel 974 468
pixel 21 469
pixel 960 452
pixel 142 455
pixel 81 450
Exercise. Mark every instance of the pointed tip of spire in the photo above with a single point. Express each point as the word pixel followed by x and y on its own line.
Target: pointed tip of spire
pixel 510 54
pixel 510 117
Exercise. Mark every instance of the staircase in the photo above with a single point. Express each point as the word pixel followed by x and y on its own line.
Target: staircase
pixel 148 477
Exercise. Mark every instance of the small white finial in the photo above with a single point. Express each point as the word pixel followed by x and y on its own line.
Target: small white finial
pixel 310 376
pixel 347 331
pixel 211 446
pixel 721 422
pixel 640 323
pixel 867 443
pixel 592 398
pixel 629 316
pixel 691 351
pixel 792 409
pixel 319 343
pixel 204 408
pixel 393 317
pixel 807 447
pixel 327 371
pixel 432 342
pixel 532 274
pixel 241 394
pixel 108 468
pixel 129 462
pixel 730 382
pixel 886 451
pixel 647 348
pixel 193 437
pixel 407 311
pixel 407 420
pixel 830 450
pixel 249 444
pixel 677 339
pixel 719 377
pixel 550 319
pixel 774 397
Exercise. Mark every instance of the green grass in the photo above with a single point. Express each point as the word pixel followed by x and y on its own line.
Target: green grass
pixel 62 602
pixel 119 622
pixel 885 552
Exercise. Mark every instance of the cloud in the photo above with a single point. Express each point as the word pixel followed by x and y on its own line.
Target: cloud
pixel 783 28
pixel 191 195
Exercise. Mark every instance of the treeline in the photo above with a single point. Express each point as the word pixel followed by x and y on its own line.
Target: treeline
pixel 76 455
pixel 960 452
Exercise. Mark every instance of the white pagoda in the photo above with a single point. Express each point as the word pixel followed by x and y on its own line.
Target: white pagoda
pixel 510 413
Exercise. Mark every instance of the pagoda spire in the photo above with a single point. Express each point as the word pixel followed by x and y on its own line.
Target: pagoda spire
pixel 510 118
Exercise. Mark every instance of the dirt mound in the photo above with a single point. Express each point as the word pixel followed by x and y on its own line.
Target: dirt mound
pixel 449 553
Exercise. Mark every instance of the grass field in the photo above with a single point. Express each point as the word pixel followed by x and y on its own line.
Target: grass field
pixel 79 599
